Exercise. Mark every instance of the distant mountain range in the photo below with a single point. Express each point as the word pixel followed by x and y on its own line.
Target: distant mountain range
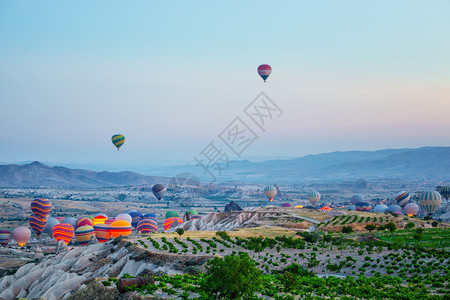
pixel 427 163
pixel 38 175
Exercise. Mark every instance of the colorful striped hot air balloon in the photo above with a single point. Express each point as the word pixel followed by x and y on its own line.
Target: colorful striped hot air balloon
pixel 5 237
pixel 325 208
pixel 159 190
pixel 147 226
pixel 430 201
pixel 264 71
pixel 411 209
pixel 51 222
pixel 63 232
pixel 102 232
pixel 402 198
pixel 37 224
pixel 99 219
pixel 270 192
pixel 118 140
pixel 171 214
pixel 41 207
pixel 120 227
pixel 170 221
pixel 363 206
pixel 84 233
pixel 150 216
pixel 196 217
pixel 445 192
pixel 84 221
pixel 356 199
pixel 314 198
pixel 21 235
pixel 135 218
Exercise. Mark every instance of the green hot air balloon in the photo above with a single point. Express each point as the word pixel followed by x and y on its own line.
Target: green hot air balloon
pixel 172 214
pixel 118 140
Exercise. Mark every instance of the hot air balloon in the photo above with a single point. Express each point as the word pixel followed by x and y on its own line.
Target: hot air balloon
pixel 135 218
pixel 84 233
pixel 286 205
pixel 411 209
pixel 21 235
pixel 37 224
pixel 196 217
pixel 99 219
pixel 60 219
pixel 314 198
pixel 5 237
pixel 326 208
pixel 72 221
pixel 356 199
pixel 394 207
pixel 147 226
pixel 192 212
pixel 51 222
pixel 430 201
pixel 380 208
pixel 445 192
pixel 110 221
pixel 41 207
pixel 363 206
pixel 84 221
pixel 118 140
pixel 102 232
pixel 264 71
pixel 120 227
pixel 150 216
pixel 270 192
pixel 63 232
pixel 159 190
pixel 402 198
pixel 124 217
pixel 171 214
pixel 298 206
pixel 170 221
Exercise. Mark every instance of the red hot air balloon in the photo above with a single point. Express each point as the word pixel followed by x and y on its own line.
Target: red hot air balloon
pixel 63 232
pixel 264 71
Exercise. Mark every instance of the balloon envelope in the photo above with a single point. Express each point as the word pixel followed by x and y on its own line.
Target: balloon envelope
pixel 72 221
pixel 21 235
pixel 60 219
pixel 118 140
pixel 196 217
pixel 411 209
pixel 445 192
pixel 264 71
pixel 159 190
pixel 380 208
pixel 84 233
pixel 51 222
pixel 84 221
pixel 314 198
pixel 363 206
pixel 402 198
pixel 270 192
pixel 150 216
pixel 170 221
pixel 394 207
pixel 102 232
pixel 430 201
pixel 99 219
pixel 63 232
pixel 192 212
pixel 135 218
pixel 356 199
pixel 286 205
pixel 124 217
pixel 171 214
pixel 41 207
pixel 147 226
pixel 5 237
pixel 37 224
pixel 120 227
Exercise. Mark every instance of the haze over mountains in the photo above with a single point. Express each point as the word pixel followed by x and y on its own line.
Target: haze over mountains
pixel 427 163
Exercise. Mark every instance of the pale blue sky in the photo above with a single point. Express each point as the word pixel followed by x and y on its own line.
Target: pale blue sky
pixel 170 76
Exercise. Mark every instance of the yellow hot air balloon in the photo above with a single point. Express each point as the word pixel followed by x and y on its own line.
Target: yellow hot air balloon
pixel 430 201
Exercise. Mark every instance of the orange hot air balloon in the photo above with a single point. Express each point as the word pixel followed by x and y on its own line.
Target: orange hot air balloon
pixel 120 227
pixel 99 219
pixel 21 235
pixel 63 232
pixel 102 232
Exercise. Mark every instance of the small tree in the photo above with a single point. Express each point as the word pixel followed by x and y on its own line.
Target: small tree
pixel 180 231
pixel 371 227
pixel 390 226
pixel 347 229
pixel 435 223
pixel 223 235
pixel 410 225
pixel 231 277
pixel 419 233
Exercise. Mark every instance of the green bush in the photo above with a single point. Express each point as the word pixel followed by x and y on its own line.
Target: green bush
pixel 347 229
pixel 410 225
